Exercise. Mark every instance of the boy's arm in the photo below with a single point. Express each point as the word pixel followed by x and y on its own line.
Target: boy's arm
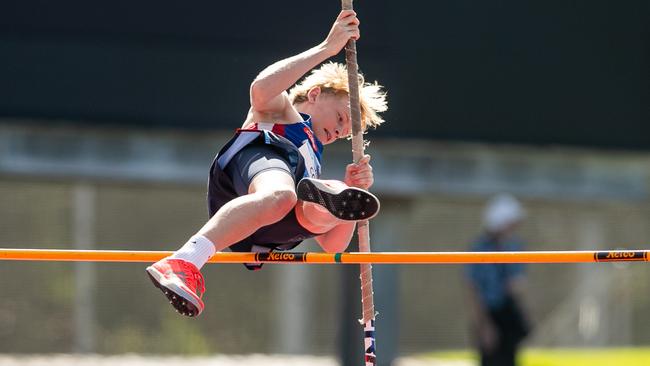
pixel 267 92
pixel 337 239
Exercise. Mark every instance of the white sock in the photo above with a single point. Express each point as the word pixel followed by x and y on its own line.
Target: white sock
pixel 197 251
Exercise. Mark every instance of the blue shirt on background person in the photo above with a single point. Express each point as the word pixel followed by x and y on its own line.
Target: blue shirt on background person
pixel 491 279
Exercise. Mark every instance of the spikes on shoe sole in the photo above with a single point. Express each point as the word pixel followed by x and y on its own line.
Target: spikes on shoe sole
pixel 349 204
pixel 178 302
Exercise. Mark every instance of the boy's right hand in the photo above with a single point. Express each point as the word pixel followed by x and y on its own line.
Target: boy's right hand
pixel 344 28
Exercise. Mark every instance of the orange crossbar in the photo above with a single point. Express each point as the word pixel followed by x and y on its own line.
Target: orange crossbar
pixel 331 258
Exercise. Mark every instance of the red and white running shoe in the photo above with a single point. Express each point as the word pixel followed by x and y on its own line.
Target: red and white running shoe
pixel 181 282
pixel 344 202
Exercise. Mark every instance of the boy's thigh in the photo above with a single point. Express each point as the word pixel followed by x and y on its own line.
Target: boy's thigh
pixel 259 166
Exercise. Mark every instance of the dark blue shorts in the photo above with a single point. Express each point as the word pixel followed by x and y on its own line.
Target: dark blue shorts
pixel 253 160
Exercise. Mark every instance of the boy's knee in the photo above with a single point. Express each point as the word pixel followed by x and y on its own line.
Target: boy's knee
pixel 284 200
pixel 276 204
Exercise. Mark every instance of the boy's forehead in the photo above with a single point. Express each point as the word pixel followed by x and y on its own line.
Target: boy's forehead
pixel 343 100
pixel 337 100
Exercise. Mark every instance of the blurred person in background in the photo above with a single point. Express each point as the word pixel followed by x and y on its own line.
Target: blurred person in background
pixel 499 322
pixel 263 188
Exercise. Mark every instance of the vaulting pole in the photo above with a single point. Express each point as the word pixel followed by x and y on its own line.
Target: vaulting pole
pixel 363 229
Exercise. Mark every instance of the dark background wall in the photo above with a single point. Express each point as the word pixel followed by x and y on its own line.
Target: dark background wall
pixel 552 72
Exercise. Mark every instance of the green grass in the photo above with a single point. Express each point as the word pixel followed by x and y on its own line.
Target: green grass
pixel 565 356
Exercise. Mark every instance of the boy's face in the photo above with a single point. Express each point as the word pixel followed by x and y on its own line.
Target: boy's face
pixel 330 117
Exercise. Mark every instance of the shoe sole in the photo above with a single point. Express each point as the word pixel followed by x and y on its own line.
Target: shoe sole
pixel 350 204
pixel 178 297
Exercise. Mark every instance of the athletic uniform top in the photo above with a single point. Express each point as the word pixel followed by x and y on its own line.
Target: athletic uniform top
pixel 302 150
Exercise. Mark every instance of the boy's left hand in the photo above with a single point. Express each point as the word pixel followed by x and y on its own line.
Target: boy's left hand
pixel 360 174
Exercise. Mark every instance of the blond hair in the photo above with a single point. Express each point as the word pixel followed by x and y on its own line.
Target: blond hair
pixel 332 77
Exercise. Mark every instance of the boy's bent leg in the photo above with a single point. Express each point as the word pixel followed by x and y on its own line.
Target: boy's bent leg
pixel 341 201
pixel 271 197
pixel 263 180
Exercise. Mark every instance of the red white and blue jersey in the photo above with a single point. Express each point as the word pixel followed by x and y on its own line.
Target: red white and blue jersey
pixel 300 134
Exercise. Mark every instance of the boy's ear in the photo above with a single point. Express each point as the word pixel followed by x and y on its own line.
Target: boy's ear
pixel 313 94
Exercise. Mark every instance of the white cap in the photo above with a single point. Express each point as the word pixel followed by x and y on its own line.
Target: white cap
pixel 501 211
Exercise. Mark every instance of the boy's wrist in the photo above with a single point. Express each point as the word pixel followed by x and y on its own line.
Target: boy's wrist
pixel 326 51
